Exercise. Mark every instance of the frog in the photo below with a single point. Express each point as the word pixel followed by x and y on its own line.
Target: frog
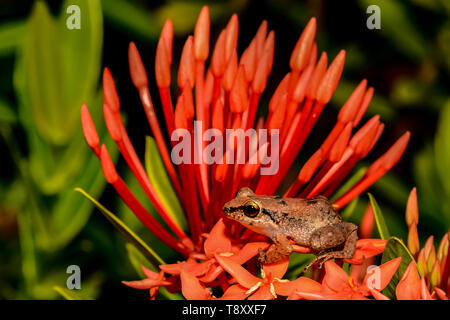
pixel 312 222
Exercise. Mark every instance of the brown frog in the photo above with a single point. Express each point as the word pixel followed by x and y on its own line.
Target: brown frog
pixel 312 223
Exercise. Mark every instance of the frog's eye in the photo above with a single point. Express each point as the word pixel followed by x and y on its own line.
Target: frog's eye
pixel 251 209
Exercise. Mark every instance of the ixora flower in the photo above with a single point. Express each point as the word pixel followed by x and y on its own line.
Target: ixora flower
pixel 218 257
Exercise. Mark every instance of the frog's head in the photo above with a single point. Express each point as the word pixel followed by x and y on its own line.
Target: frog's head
pixel 251 211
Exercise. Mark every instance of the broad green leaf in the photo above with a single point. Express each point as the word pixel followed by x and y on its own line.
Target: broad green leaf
pixel 396 248
pixel 160 180
pixel 379 219
pixel 54 169
pixel 82 49
pixel 10 35
pixel 133 238
pixel 57 69
pixel 71 294
pixel 44 75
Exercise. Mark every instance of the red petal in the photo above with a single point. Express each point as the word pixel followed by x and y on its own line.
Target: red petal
pixel 378 295
pixel 248 251
pixel 110 96
pixel 331 79
pixel 408 287
pixel 89 131
pixel 201 35
pixel 236 292
pixel 241 275
pixel 302 50
pixel 424 290
pixel 335 277
pixel 194 268
pixel 263 293
pixel 276 269
pixel 302 284
pixel 386 270
pixel 146 283
pixel 412 211
pixel 217 240
pixel 137 69
pixel 366 248
pixel 192 289
pixel 186 71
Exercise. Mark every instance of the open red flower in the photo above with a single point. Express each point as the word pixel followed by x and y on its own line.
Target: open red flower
pixel 338 285
pixel 270 285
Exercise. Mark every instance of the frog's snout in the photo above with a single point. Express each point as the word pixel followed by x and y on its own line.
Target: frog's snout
pixel 226 210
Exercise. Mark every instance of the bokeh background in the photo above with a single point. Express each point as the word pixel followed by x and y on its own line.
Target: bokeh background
pixel 47 71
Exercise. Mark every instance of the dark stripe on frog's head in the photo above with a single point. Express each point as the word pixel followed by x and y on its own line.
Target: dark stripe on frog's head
pixel 271 214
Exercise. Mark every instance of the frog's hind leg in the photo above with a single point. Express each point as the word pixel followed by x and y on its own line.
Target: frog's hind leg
pixel 277 251
pixel 350 231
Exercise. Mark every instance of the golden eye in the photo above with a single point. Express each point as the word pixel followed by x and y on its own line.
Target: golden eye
pixel 252 209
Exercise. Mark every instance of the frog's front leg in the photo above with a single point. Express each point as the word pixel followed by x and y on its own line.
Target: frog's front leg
pixel 327 238
pixel 277 251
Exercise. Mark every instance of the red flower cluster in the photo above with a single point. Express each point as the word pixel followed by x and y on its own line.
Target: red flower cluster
pixel 227 96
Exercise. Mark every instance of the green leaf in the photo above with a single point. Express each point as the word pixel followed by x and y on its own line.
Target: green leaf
pixel 156 172
pixel 57 69
pixel 7 115
pixel 71 294
pixel 82 50
pixel 349 210
pixel 396 248
pixel 379 219
pixel 10 35
pixel 133 238
pixel 44 75
pixel 69 215
pixel 138 260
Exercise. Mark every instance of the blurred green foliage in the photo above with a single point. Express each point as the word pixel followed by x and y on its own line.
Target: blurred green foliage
pixel 55 70
pixel 48 71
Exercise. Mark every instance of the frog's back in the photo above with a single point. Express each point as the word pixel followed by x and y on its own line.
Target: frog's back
pixel 305 216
